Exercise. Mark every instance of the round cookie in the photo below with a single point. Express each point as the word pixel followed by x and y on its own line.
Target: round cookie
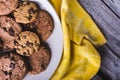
pixel 12 67
pixel 26 13
pixel 9 29
pixel 7 6
pixel 39 60
pixel 44 24
pixel 27 43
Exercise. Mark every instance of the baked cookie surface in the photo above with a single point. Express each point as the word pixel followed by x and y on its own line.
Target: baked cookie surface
pixel 7 6
pixel 12 67
pixel 27 43
pixel 26 13
pixel 39 60
pixel 44 24
pixel 9 30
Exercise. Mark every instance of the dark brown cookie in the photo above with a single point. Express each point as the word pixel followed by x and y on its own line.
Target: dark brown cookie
pixel 12 67
pixel 9 30
pixel 44 24
pixel 26 13
pixel 7 6
pixel 39 60
pixel 27 43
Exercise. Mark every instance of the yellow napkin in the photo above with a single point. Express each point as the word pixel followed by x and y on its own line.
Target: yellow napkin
pixel 80 60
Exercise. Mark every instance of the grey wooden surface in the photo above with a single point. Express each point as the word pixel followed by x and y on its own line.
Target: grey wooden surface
pixel 106 14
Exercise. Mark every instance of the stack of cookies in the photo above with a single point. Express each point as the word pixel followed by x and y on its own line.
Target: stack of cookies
pixel 24 29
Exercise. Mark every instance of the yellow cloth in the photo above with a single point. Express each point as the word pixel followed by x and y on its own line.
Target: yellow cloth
pixel 80 60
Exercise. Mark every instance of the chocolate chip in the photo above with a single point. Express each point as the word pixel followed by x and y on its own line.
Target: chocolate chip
pixel 5 72
pixel 28 51
pixel 32 10
pixel 24 36
pixel 4 29
pixel 18 37
pixel 43 66
pixel 12 65
pixel 24 53
pixel 11 32
pixel 51 31
pixel 10 73
pixel 12 58
pixel 30 17
pixel 29 44
pixel 15 42
pixel 7 20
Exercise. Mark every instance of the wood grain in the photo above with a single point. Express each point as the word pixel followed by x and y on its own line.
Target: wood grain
pixel 114 5
pixel 106 14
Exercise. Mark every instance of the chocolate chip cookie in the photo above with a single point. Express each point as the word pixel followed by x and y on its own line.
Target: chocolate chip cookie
pixel 44 24
pixel 39 60
pixel 9 30
pixel 26 13
pixel 12 67
pixel 27 43
pixel 7 6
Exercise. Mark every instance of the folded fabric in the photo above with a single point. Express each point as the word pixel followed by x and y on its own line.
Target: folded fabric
pixel 80 60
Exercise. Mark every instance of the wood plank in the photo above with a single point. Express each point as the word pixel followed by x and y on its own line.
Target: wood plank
pixel 103 16
pixel 106 16
pixel 110 63
pixel 114 5
pixel 106 20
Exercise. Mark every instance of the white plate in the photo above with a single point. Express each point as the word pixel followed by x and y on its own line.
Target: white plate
pixel 55 42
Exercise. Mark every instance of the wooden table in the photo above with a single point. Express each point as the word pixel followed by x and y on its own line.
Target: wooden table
pixel 106 14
